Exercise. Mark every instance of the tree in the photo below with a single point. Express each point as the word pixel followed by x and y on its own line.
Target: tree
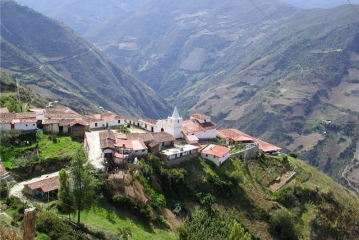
pixel 237 232
pixel 83 184
pixel 66 202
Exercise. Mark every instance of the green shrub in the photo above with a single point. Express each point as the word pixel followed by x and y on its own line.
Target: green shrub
pixel 293 154
pixel 282 226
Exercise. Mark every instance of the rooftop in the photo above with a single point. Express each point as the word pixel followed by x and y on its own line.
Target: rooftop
pixel 46 185
pixel 216 150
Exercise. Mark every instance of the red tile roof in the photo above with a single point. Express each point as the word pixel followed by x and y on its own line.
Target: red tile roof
pixel 216 150
pixel 192 125
pixel 107 139
pixel 79 122
pixel 17 117
pixel 46 185
pixel 124 143
pixel 108 116
pixel 237 135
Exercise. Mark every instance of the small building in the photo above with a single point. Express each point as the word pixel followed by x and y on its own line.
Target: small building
pixel 47 187
pixel 174 156
pixel 201 126
pixel 216 154
pixel 234 135
pixel 24 122
pixel 191 139
pixel 108 120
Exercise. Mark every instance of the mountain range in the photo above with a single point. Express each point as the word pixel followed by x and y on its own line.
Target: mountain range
pixel 268 68
pixel 282 73
pixel 53 60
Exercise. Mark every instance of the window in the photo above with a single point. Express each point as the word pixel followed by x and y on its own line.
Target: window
pixel 26 125
pixel 33 124
pixel 178 121
pixel 95 124
pixel 119 121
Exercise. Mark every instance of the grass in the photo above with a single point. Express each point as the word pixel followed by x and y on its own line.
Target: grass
pixel 104 219
pixel 63 147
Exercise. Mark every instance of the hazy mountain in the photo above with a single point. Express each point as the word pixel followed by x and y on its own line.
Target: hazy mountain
pixel 320 3
pixel 268 68
pixel 54 61
pixel 82 15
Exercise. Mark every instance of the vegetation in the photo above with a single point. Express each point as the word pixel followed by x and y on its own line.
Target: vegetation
pixel 83 185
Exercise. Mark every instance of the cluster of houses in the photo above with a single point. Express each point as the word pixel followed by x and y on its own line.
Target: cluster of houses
pixel 174 139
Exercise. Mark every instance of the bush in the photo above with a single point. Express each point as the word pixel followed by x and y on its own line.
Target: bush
pixel 293 154
pixel 282 226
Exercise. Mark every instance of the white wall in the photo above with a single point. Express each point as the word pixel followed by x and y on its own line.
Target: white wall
pixel 215 159
pixel 102 124
pixel 5 126
pixel 26 126
pixel 206 134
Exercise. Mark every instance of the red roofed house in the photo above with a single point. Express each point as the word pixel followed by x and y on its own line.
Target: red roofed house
pixel 19 121
pixel 104 121
pixel 201 126
pixel 216 154
pixel 44 187
pixel 238 136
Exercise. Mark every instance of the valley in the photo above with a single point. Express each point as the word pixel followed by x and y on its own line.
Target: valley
pixel 286 72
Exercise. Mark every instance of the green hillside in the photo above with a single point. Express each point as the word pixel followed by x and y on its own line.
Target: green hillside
pixel 50 58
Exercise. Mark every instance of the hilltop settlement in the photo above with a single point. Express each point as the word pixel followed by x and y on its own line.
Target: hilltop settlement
pixel 174 139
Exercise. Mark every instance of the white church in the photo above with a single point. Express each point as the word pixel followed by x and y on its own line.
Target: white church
pixel 198 126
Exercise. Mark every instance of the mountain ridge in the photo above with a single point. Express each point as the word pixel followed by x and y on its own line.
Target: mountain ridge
pixel 69 69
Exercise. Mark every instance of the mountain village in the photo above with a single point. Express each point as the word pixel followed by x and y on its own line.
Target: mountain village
pixel 112 142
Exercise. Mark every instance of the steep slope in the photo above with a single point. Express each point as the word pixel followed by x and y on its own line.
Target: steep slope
pixel 270 69
pixel 29 98
pixel 50 58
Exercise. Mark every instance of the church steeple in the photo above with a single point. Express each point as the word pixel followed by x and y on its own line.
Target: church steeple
pixel 175 114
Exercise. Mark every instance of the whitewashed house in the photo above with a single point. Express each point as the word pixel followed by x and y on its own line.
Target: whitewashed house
pixel 179 154
pixel 104 121
pixel 201 126
pixel 24 122
pixel 216 154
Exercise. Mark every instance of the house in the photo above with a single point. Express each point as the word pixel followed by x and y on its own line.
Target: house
pixel 234 135
pixel 107 143
pixel 104 121
pixel 127 150
pixel 191 139
pixel 199 125
pixel 216 154
pixel 155 141
pixel 24 122
pixel 47 187
pixel 174 156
